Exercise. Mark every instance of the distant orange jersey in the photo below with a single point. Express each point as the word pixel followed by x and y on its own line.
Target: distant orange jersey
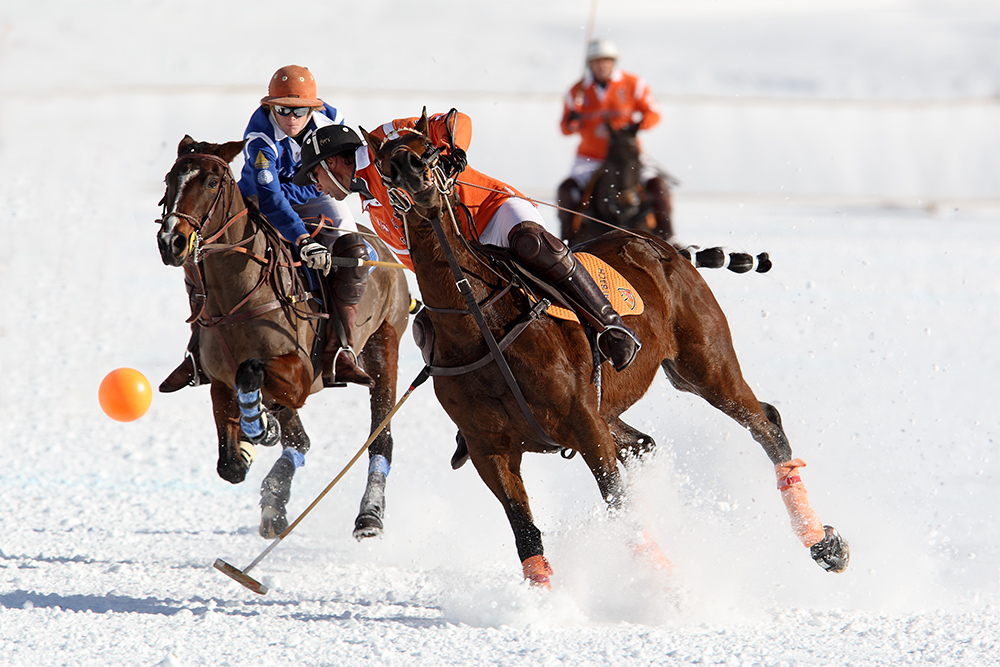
pixel 625 95
pixel 483 202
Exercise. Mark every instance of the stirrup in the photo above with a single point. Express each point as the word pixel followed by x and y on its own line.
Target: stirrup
pixel 620 366
pixel 333 381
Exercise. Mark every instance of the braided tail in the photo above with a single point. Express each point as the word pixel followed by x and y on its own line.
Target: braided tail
pixel 717 258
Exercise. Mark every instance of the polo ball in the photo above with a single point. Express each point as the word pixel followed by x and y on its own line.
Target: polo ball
pixel 125 394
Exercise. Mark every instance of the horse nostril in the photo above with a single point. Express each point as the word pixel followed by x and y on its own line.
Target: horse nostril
pixel 178 244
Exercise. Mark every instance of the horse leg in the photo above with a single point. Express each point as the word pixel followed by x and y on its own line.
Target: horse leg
pixel 276 487
pixel 236 454
pixel 630 443
pixel 381 357
pixel 501 472
pixel 725 389
pixel 286 380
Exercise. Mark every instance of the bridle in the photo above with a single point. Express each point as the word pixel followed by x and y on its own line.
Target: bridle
pixel 196 243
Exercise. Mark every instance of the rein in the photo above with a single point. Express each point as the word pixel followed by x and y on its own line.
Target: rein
pixel 465 288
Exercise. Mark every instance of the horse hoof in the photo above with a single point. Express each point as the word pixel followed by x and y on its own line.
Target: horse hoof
pixel 367 525
pixel 273 522
pixel 832 553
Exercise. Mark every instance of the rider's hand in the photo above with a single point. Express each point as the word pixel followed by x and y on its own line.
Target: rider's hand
pixel 314 255
pixel 454 163
pixel 573 119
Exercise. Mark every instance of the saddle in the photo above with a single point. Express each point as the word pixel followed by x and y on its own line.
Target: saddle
pixel 622 295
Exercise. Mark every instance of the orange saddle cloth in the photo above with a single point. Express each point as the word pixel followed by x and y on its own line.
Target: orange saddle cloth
pixel 620 293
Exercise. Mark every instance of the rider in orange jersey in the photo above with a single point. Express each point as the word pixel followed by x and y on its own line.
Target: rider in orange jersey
pixel 606 94
pixel 501 216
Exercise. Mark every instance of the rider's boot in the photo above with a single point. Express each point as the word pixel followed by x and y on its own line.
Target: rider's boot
pixel 568 198
pixel 340 363
pixel 189 372
pixel 659 194
pixel 543 254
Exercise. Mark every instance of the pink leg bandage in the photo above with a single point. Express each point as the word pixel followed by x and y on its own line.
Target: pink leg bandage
pixel 537 570
pixel 650 550
pixel 805 524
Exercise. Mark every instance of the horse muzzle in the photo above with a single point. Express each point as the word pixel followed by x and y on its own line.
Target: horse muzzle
pixel 174 246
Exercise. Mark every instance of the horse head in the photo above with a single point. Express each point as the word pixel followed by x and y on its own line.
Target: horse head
pixel 406 159
pixel 623 145
pixel 195 185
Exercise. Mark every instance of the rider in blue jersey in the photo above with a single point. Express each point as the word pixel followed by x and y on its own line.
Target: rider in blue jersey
pixel 272 154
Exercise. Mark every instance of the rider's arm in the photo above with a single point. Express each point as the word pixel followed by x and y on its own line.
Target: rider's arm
pixel 646 105
pixel 572 110
pixel 274 197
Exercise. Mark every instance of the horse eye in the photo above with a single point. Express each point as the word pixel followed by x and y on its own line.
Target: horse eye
pixel 212 183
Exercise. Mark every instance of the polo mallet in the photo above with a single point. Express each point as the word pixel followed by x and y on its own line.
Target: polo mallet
pixel 241 576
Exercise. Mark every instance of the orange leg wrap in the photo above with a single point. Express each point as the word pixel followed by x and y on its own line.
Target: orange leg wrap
pixel 537 570
pixel 650 550
pixel 806 525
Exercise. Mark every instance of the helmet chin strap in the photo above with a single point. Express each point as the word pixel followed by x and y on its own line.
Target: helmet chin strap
pixel 333 178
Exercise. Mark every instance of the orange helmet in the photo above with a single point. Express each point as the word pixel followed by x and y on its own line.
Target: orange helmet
pixel 292 86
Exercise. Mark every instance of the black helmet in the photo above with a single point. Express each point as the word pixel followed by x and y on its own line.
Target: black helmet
pixel 322 143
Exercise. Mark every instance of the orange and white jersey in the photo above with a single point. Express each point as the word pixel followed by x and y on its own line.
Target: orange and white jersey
pixel 625 96
pixel 481 194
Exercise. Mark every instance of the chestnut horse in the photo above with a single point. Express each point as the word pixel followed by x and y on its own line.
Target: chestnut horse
pixel 262 330
pixel 682 329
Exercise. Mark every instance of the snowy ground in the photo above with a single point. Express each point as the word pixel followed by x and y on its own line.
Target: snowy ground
pixel 857 142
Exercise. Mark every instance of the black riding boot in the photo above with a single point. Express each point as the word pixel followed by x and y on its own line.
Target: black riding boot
pixel 189 373
pixel 347 287
pixel 659 194
pixel 543 254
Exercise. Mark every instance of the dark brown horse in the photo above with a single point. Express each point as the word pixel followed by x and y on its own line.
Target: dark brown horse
pixel 262 330
pixel 682 329
pixel 616 194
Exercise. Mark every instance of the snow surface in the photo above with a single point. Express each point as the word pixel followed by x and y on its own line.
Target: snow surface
pixel 857 142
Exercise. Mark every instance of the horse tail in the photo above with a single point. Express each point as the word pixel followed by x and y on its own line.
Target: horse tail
pixel 717 258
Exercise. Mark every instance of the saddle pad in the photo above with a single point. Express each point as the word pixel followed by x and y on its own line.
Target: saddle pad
pixel 620 293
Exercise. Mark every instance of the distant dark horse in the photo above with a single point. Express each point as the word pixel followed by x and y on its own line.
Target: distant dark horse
pixel 262 329
pixel 616 194
pixel 682 329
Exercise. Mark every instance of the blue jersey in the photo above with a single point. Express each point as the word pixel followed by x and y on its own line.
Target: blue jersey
pixel 271 158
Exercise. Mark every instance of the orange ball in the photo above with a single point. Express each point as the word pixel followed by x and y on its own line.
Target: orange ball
pixel 125 394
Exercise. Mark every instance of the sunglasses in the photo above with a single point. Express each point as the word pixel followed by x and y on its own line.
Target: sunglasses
pixel 298 112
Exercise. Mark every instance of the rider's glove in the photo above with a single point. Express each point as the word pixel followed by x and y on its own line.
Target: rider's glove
pixel 454 163
pixel 314 255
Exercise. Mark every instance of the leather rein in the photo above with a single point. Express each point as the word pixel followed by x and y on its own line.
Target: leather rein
pixel 444 186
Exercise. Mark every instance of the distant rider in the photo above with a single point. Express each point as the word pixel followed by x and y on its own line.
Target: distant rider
pixel 606 93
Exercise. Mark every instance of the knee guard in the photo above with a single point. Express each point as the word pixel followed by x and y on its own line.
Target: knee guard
pixel 540 252
pixel 349 282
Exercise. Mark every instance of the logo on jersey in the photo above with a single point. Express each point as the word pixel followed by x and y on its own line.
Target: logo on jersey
pixel 264 177
pixel 261 161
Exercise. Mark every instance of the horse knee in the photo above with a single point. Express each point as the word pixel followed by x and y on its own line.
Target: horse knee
pixel 250 376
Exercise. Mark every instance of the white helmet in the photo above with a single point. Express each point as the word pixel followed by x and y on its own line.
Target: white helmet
pixel 601 48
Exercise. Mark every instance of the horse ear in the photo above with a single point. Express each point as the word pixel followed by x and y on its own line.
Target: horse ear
pixel 422 124
pixel 373 142
pixel 185 142
pixel 231 149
